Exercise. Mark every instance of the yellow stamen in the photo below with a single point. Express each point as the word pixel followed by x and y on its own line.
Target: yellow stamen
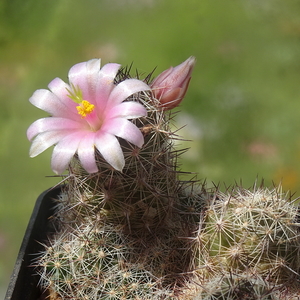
pixel 85 108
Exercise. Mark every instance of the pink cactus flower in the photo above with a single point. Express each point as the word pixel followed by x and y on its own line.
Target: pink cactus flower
pixel 170 86
pixel 88 113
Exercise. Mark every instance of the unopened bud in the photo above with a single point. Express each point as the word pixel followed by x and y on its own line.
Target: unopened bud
pixel 170 86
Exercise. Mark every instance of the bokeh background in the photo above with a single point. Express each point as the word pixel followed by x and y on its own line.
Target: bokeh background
pixel 242 109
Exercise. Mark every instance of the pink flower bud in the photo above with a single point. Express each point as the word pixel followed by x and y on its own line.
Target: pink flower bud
pixel 170 86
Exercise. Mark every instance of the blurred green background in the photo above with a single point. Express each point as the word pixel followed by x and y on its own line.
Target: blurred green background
pixel 242 109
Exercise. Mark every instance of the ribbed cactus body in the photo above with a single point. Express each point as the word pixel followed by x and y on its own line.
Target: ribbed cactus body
pixel 249 238
pixel 236 287
pixel 92 262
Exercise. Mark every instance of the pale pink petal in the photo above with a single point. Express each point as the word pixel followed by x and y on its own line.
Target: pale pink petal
pixel 128 110
pixel 106 84
pixel 125 89
pixel 45 140
pixel 64 151
pixel 85 76
pixel 77 71
pixel 109 147
pixel 60 89
pixel 108 72
pixel 86 153
pixel 124 129
pixel 45 100
pixel 51 124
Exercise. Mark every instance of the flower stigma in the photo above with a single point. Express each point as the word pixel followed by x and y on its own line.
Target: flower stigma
pixel 85 106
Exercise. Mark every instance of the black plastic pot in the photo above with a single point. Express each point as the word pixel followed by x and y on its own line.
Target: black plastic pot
pixel 23 282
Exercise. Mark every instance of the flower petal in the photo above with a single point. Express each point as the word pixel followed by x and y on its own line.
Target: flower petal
pixel 51 124
pixel 128 110
pixel 109 147
pixel 124 129
pixel 47 101
pixel 45 140
pixel 106 84
pixel 64 151
pixel 85 76
pixel 60 89
pixel 86 153
pixel 125 89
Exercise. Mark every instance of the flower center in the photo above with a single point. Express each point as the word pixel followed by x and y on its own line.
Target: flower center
pixel 85 107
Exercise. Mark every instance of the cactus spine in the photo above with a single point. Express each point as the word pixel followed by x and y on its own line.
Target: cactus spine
pixel 248 244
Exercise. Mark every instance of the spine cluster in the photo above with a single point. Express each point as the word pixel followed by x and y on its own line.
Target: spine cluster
pixel 248 246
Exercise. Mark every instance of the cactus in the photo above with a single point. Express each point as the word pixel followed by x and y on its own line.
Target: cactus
pixel 91 262
pixel 249 240
pixel 127 225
